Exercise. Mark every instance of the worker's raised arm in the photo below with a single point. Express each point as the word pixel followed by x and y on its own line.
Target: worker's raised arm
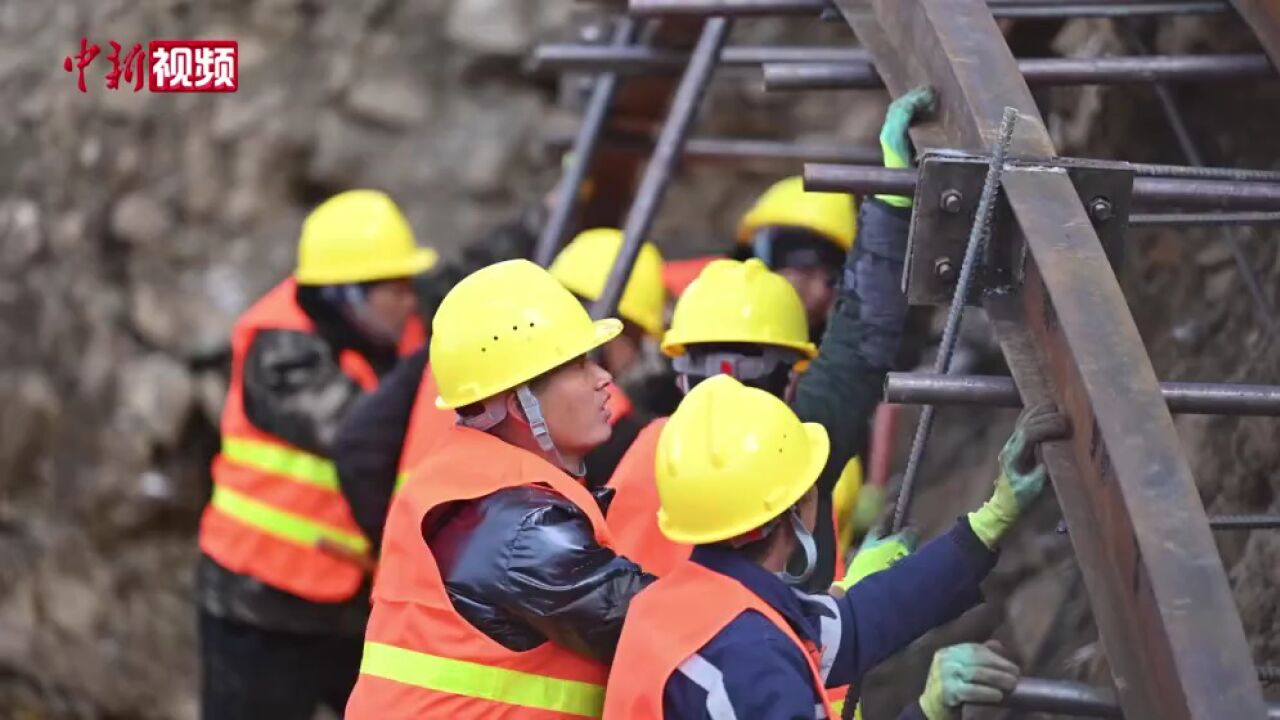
pixel 885 611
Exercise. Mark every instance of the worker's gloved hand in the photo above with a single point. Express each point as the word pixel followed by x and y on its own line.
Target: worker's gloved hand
pixel 1022 476
pixel 868 507
pixel 963 674
pixel 876 554
pixel 895 143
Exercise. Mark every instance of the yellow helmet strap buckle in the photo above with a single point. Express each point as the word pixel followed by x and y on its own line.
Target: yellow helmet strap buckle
pixel 538 426
pixel 807 546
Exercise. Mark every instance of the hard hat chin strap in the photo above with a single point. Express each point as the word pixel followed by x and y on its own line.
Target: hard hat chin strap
pixel 494 412
pixel 538 426
pixel 807 546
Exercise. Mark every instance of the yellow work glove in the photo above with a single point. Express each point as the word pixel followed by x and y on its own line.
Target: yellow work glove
pixel 895 143
pixel 963 674
pixel 876 554
pixel 1022 476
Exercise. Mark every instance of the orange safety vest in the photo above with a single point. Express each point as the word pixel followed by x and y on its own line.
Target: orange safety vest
pixel 670 621
pixel 678 274
pixel 424 660
pixel 274 503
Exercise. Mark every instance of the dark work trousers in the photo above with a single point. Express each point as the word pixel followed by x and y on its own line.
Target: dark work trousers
pixel 254 674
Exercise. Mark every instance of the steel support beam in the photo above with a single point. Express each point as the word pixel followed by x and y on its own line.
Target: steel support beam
pixel 637 59
pixel 666 153
pixel 1147 191
pixel 996 391
pixel 583 152
pixel 1000 8
pixel 1160 597
pixel 1040 71
pixel 713 149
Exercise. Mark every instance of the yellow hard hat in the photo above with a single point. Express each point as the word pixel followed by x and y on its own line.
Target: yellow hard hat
pixel 736 301
pixel 504 325
pixel 787 203
pixel 358 236
pixel 730 459
pixel 584 265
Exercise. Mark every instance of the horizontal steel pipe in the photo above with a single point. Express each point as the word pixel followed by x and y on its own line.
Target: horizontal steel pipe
pixel 1147 191
pixel 716 148
pixel 1244 522
pixel 990 390
pixel 1211 218
pixel 641 60
pixel 999 8
pixel 1061 696
pixel 1040 71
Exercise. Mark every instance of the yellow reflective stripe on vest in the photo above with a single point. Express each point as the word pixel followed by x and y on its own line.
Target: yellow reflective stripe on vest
pixel 281 524
pixel 281 460
pixel 402 477
pixel 484 682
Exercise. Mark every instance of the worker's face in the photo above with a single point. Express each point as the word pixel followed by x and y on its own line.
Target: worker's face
pixel 815 286
pixel 392 303
pixel 574 400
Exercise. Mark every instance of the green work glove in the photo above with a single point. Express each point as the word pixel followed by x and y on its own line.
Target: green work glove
pixel 1022 476
pixel 867 509
pixel 877 554
pixel 963 674
pixel 894 141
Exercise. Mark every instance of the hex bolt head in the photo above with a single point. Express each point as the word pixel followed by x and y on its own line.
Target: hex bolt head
pixel 1100 209
pixel 951 201
pixel 944 269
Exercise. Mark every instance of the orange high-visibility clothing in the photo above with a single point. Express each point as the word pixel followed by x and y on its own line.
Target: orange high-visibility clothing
pixel 670 621
pixel 633 512
pixel 423 659
pixel 274 503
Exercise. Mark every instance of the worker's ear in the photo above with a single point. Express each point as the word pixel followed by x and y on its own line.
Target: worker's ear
pixel 513 408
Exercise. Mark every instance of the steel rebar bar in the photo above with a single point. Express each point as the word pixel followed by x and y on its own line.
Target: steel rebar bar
pixel 1147 191
pixel 1244 522
pixel 996 391
pixel 1191 150
pixel 1181 219
pixel 666 153
pixel 1040 71
pixel 978 235
pixel 634 59
pixel 999 8
pixel 718 148
pixel 583 151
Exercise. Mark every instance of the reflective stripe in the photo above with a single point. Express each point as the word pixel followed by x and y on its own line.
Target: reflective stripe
pixel 830 629
pixel 281 460
pixel 485 682
pixel 709 678
pixel 281 524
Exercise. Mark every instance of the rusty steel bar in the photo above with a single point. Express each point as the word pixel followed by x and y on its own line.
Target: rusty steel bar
pixel 583 152
pixel 649 60
pixel 999 8
pixel 992 390
pixel 746 149
pixel 1160 597
pixel 1149 191
pixel 1040 71
pixel 666 153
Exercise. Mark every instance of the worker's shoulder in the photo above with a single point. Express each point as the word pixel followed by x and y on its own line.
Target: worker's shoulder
pixel 751 638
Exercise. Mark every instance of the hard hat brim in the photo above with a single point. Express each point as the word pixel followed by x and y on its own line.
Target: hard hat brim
pixel 602 332
pixel 421 260
pixel 675 344
pixel 819 449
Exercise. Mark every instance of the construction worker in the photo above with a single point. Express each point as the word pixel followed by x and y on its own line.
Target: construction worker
pixel 498 592
pixel 804 236
pixel 725 635
pixel 741 319
pixel 281 579
pixel 390 431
